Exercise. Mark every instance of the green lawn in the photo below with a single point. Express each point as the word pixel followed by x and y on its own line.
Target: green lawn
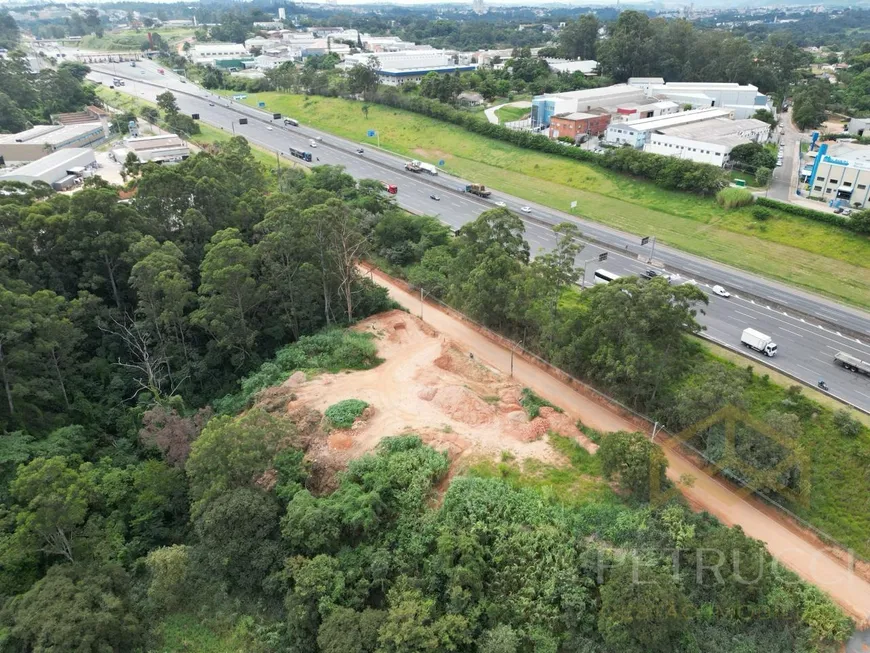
pixel 508 114
pixel 789 248
pixel 133 40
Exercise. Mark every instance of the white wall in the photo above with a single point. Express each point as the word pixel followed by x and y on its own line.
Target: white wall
pixel 685 148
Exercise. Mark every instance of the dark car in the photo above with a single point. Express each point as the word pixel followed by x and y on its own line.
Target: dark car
pixel 649 274
pixel 435 197
pixel 360 151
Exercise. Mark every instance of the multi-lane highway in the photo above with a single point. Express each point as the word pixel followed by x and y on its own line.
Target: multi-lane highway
pixel 808 329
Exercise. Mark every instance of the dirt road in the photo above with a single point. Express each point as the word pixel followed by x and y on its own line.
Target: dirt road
pixel 847 589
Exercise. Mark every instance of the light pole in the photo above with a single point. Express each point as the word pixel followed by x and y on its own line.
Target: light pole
pixel 519 345
pixel 644 241
pixel 422 297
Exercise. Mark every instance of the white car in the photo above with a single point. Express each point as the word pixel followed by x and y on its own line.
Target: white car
pixel 719 290
pixel 312 143
pixel 501 204
pixel 268 128
pixel 526 209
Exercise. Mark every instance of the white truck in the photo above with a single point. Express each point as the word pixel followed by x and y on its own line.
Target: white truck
pixel 428 167
pixel 758 341
pixel 851 363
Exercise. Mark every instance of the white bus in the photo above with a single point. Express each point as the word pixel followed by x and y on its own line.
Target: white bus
pixel 603 276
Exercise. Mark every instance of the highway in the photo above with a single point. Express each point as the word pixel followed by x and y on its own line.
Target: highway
pixel 808 329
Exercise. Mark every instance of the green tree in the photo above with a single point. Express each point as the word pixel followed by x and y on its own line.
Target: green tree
pixel 233 453
pixel 638 463
pixel 642 609
pixel 412 625
pixel 347 631
pixel 579 39
pixel 167 104
pixel 75 608
pixel 229 295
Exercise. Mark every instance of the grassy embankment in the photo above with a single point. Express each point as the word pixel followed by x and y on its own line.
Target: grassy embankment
pixel 508 114
pixel 815 256
pixel 133 40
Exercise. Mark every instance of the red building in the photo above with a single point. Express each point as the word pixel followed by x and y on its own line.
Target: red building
pixel 574 125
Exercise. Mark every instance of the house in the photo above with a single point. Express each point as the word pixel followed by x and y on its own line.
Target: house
pixel 578 125
pixel 470 98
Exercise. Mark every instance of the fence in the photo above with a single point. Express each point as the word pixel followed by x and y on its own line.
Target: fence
pixel 644 422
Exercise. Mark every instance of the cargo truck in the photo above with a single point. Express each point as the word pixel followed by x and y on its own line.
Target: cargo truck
pixel 478 189
pixel 428 167
pixel 413 166
pixel 758 341
pixel 392 189
pixel 851 363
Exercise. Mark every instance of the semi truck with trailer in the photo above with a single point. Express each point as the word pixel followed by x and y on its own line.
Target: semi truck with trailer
pixel 758 341
pixel 852 363
pixel 300 154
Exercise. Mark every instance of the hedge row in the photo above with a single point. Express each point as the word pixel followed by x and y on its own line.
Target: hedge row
pixel 668 172
pixel 802 211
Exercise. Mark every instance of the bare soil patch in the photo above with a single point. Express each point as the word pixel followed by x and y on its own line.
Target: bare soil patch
pixel 426 385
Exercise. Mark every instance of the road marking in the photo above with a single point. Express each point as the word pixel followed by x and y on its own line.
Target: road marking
pixel 791 332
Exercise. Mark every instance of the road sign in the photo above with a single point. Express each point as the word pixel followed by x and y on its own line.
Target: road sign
pixel 261 104
pixel 602 256
pixel 441 162
pixel 195 116
pixel 574 204
pixel 275 116
pixel 644 240
pixel 243 121
pixel 370 133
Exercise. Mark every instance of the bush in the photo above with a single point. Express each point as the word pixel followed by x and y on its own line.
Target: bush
pixel 638 463
pixel 343 414
pixel 847 425
pixel 802 211
pixel 533 403
pixel 732 198
pixel 760 213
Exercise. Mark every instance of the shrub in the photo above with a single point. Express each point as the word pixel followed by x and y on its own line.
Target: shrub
pixel 533 403
pixel 732 198
pixel 760 213
pixel 847 425
pixel 638 463
pixel 804 212
pixel 343 414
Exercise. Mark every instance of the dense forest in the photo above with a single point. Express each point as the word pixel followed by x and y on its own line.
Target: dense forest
pixel 31 98
pixel 137 335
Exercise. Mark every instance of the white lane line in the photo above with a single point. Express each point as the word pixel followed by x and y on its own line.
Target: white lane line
pixel 791 332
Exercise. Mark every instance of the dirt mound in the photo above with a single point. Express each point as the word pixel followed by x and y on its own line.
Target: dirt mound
pixel 559 422
pixel 530 431
pixel 295 379
pixel 452 359
pixel 463 405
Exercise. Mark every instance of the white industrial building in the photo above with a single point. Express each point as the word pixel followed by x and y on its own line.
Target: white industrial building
pixel 397 68
pixel 588 100
pixel 208 52
pixel 60 169
pixel 743 99
pixel 840 175
pixel 588 67
pixel 38 141
pixel 636 133
pixel 165 148
pixel 710 141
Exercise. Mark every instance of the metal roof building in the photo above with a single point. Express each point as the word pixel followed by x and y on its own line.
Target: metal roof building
pixel 59 169
pixel 38 141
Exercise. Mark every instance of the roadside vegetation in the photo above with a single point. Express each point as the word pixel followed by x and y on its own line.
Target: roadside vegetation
pixel 612 337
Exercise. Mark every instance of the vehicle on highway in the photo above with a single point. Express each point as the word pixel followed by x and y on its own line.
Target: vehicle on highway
pixel 649 274
pixel 289 122
pixel 435 197
pixel 359 150
pixel 132 64
pixel 500 203
pixel 211 104
pixel 823 386
pixel 526 209
pixel 603 276
pixel 392 189
pixel 719 290
pixel 300 154
pixel 779 163
pixel 161 71
pixel 852 363
pixel 183 81
pixel 413 166
pixel 319 138
pixel 312 142
pixel 478 189
pixel 269 128
pixel 758 341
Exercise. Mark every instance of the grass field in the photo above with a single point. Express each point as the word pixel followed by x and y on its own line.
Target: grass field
pixel 132 40
pixel 789 248
pixel 507 114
